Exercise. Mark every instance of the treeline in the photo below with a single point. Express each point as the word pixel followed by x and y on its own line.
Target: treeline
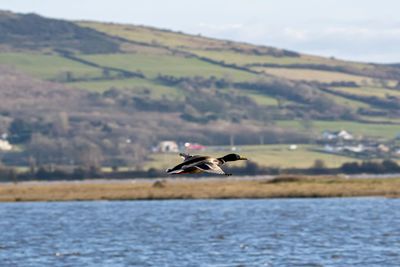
pixel 319 168
pixel 309 100
pixel 250 168
pixel 390 102
pixel 317 105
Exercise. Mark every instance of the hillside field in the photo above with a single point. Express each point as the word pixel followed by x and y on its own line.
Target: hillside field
pixel 143 85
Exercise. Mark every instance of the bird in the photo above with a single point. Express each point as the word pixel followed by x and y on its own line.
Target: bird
pixel 198 164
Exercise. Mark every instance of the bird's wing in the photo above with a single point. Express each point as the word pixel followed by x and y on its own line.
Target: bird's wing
pixel 210 168
pixel 190 162
pixel 185 156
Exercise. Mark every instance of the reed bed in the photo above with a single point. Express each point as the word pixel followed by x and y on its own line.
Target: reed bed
pixel 280 187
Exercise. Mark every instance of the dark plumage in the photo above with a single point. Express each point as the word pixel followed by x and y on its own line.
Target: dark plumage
pixel 197 164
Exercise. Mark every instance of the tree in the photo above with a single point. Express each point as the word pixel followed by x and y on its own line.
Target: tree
pixel 20 131
pixel 43 150
pixel 319 164
pixel 89 155
pixel 61 124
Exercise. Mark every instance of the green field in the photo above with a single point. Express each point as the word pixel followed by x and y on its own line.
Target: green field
pixel 388 131
pixel 241 59
pixel 48 66
pixel 178 66
pixel 380 119
pixel 354 104
pixel 266 155
pixel 260 99
pixel 257 97
pixel 233 57
pixel 136 84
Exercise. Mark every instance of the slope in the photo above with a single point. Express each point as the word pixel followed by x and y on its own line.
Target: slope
pixel 160 84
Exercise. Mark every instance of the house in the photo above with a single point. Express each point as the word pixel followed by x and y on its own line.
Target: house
pixel 293 147
pixel 344 135
pixel 5 145
pixel 383 148
pixel 355 149
pixel 339 135
pixel 167 146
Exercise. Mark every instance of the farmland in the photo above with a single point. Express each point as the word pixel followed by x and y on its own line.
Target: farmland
pixel 315 75
pixel 365 129
pixel 178 66
pixel 265 155
pixel 49 67
pixel 121 83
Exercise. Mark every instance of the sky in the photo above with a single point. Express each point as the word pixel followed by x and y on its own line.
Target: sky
pixel 360 30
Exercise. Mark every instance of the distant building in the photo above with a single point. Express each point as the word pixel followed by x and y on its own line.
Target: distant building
pixel 339 135
pixel 167 146
pixel 344 135
pixel 355 149
pixel 5 145
pixel 293 147
pixel 333 149
pixel 383 148
pixel 194 146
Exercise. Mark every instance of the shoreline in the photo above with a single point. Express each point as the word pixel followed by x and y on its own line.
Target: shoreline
pixel 203 188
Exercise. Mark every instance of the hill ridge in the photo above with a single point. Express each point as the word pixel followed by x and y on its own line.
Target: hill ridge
pixel 140 85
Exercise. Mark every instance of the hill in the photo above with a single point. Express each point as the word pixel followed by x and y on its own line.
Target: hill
pixel 34 32
pixel 127 86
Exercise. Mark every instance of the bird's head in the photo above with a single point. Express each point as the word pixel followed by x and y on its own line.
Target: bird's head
pixel 233 157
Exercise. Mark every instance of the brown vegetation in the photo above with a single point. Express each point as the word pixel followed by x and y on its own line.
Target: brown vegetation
pixel 200 189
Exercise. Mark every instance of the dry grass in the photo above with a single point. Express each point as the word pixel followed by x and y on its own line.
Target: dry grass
pixel 368 91
pixel 200 189
pixel 315 75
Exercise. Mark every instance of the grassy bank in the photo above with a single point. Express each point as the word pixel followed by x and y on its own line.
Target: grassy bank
pixel 200 189
pixel 264 155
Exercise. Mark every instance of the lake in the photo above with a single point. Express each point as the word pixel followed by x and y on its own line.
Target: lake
pixel 271 232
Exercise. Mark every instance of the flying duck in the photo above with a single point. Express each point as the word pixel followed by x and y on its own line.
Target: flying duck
pixel 197 164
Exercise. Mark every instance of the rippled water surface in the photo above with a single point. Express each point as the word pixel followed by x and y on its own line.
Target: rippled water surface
pixel 279 232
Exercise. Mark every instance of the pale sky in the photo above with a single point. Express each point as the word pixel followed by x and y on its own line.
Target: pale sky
pixel 364 30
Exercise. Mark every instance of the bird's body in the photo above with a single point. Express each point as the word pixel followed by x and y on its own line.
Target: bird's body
pixel 198 164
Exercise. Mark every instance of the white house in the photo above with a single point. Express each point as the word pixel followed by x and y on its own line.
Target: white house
pixel 343 135
pixel 167 146
pixel 5 145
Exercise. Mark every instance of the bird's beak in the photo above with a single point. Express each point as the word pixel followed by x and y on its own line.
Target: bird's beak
pixel 241 158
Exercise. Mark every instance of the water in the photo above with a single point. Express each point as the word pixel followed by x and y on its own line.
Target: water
pixel 279 232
